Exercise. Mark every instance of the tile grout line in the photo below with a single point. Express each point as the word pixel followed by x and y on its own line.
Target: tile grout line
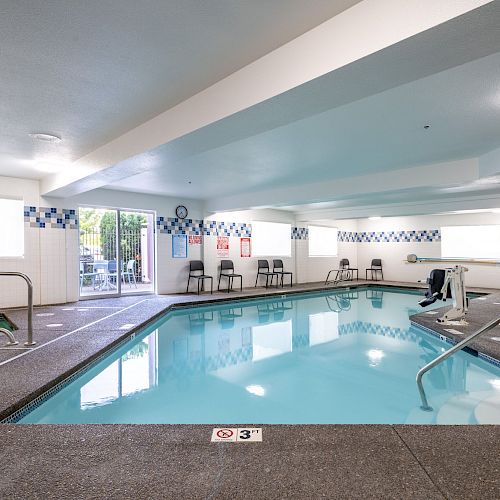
pixel 70 333
pixel 418 461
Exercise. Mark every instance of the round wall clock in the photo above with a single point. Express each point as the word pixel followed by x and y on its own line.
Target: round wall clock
pixel 181 211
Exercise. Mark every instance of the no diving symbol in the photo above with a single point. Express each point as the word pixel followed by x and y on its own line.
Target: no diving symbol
pixel 225 433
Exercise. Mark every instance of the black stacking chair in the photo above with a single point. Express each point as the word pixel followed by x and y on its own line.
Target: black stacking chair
pixel 196 266
pixel 277 265
pixel 376 267
pixel 227 270
pixel 264 265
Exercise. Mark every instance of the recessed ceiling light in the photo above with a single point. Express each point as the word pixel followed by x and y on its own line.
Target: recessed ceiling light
pixel 427 127
pixel 377 217
pixel 40 136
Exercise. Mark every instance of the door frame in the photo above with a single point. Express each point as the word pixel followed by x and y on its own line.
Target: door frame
pixel 119 293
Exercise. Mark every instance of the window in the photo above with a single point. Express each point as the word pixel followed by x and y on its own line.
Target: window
pixel 11 228
pixel 470 242
pixel 322 241
pixel 271 239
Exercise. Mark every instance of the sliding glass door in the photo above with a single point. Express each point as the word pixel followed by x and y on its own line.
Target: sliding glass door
pixel 116 252
pixel 137 251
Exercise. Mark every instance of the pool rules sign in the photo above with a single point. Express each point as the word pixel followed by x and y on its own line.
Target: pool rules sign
pixel 237 435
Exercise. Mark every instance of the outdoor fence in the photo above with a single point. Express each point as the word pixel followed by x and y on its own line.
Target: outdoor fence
pixel 97 245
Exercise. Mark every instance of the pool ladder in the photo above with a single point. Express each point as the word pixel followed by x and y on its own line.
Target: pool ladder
pixel 10 336
pixel 489 326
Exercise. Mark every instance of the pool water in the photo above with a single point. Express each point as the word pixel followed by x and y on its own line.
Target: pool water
pixel 346 357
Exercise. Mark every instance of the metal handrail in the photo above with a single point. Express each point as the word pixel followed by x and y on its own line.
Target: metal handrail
pixel 26 278
pixel 425 405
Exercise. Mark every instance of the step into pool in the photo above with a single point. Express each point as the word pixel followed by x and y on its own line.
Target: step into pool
pixel 325 358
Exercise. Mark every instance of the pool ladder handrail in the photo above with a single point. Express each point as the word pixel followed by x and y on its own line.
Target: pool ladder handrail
pixel 26 278
pixel 488 326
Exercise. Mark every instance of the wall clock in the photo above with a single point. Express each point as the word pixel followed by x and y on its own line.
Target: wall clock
pixel 181 211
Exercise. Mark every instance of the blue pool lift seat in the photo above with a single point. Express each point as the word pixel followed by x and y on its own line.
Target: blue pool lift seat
pixel 435 282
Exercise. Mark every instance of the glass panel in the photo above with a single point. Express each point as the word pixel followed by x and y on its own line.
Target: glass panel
pixel 137 251
pixel 98 251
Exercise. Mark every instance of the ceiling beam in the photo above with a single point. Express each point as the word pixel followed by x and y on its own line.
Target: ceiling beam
pixel 364 29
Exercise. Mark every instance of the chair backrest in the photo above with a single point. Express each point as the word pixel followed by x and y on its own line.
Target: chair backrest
pixel 112 266
pixel 226 265
pixel 263 264
pixel 196 265
pixel 100 265
pixel 344 263
pixel 277 264
pixel 131 265
pixel 376 262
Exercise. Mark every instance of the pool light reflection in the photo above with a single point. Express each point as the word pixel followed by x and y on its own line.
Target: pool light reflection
pixel 256 390
pixel 375 356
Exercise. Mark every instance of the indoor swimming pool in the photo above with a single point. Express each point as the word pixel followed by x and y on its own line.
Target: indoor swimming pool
pixel 349 356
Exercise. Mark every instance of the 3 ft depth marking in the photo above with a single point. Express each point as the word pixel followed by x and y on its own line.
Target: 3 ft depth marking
pixel 237 435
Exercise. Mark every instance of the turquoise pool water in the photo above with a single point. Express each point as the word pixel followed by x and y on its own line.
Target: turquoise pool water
pixel 347 357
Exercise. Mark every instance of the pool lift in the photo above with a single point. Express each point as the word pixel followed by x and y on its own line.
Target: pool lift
pixel 446 283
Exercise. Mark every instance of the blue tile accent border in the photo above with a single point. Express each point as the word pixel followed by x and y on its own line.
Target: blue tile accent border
pixel 300 233
pixel 414 236
pixel 197 227
pixel 50 217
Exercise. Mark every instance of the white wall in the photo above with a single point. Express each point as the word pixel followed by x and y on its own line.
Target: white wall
pixel 394 255
pixel 171 273
pixel 52 255
pixel 311 269
pixel 247 266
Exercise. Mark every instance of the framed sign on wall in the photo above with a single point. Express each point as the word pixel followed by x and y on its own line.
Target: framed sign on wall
pixel 222 246
pixel 179 246
pixel 245 249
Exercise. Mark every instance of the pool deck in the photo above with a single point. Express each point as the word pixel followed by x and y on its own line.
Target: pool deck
pixel 175 461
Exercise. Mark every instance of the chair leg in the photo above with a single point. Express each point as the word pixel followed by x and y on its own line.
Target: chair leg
pixel 382 274
pixel 187 288
pixel 291 280
pixel 199 286
pixel 218 285
pixel 256 280
pixel 241 283
pixel 211 285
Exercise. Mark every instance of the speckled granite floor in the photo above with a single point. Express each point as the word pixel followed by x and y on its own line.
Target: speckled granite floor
pixel 481 311
pixel 303 462
pixel 172 461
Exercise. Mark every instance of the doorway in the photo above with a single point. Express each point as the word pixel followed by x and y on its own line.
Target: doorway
pixel 117 252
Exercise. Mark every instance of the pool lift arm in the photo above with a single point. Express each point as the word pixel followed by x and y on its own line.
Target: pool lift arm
pixel 455 279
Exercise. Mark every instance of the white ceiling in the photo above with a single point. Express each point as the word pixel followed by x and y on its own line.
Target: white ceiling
pixel 379 133
pixel 91 70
